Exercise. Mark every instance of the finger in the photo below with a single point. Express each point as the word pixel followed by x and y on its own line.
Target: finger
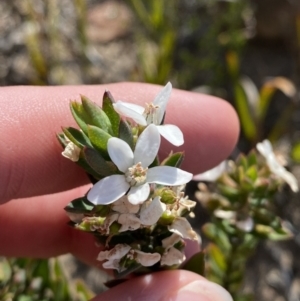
pixel 30 159
pixel 176 285
pixel 37 227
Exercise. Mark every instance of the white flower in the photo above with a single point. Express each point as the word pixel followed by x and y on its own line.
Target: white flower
pixel 153 113
pixel 71 152
pixel 265 148
pixel 136 178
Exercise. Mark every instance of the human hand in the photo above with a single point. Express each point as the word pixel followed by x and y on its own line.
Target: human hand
pixel 38 182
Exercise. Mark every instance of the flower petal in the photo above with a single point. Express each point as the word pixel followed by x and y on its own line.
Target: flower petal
pixel 167 175
pixel 147 146
pixel 108 222
pixel 147 259
pixel 129 222
pixel 246 225
pixel 124 206
pixel 170 241
pixel 138 194
pixel 213 174
pixel 117 252
pixel 172 133
pixel 172 257
pixel 108 190
pixel 265 148
pixel 151 211
pixel 183 228
pixel 161 100
pixel 132 111
pixel 112 265
pixel 120 153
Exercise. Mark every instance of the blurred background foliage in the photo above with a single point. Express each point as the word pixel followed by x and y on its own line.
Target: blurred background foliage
pixel 245 51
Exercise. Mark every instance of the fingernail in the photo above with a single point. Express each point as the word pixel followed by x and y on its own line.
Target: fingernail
pixel 202 291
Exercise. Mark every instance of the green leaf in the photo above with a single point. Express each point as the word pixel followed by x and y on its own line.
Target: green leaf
pixel 246 119
pixel 77 137
pixel 217 256
pixel 109 110
pixel 99 139
pixel 125 133
pixel 174 160
pixel 80 116
pixel 61 139
pixel 5 271
pixel 98 163
pixel 84 165
pixel 196 264
pixel 296 152
pixel 217 235
pixel 80 205
pixel 97 117
pixel 252 173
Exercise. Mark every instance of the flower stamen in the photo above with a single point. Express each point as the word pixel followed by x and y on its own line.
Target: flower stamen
pixel 151 113
pixel 136 175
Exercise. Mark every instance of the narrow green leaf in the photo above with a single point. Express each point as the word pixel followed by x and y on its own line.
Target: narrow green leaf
pixel 196 264
pixel 109 110
pixel 247 120
pixel 61 139
pixel 80 205
pixel 99 139
pixel 77 137
pixel 97 117
pixel 80 116
pixel 5 271
pixel 217 256
pixel 296 152
pixel 125 133
pixel 98 163
pixel 174 160
pixel 84 165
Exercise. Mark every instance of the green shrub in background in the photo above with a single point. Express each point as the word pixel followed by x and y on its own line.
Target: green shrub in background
pixel 38 280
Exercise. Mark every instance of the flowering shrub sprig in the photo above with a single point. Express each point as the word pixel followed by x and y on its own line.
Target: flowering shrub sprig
pixel 136 207
pixel 242 209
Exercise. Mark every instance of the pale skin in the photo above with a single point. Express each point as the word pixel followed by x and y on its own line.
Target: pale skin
pixel 37 182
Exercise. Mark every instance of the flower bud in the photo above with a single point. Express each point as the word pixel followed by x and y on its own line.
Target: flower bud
pixel 167 195
pixel 167 218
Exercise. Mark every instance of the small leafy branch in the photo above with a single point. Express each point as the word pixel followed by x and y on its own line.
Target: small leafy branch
pixel 136 208
pixel 242 213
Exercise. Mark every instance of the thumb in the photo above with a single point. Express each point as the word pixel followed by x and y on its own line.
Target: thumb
pixel 177 285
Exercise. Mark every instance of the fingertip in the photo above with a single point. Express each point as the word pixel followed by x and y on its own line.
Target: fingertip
pixel 174 285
